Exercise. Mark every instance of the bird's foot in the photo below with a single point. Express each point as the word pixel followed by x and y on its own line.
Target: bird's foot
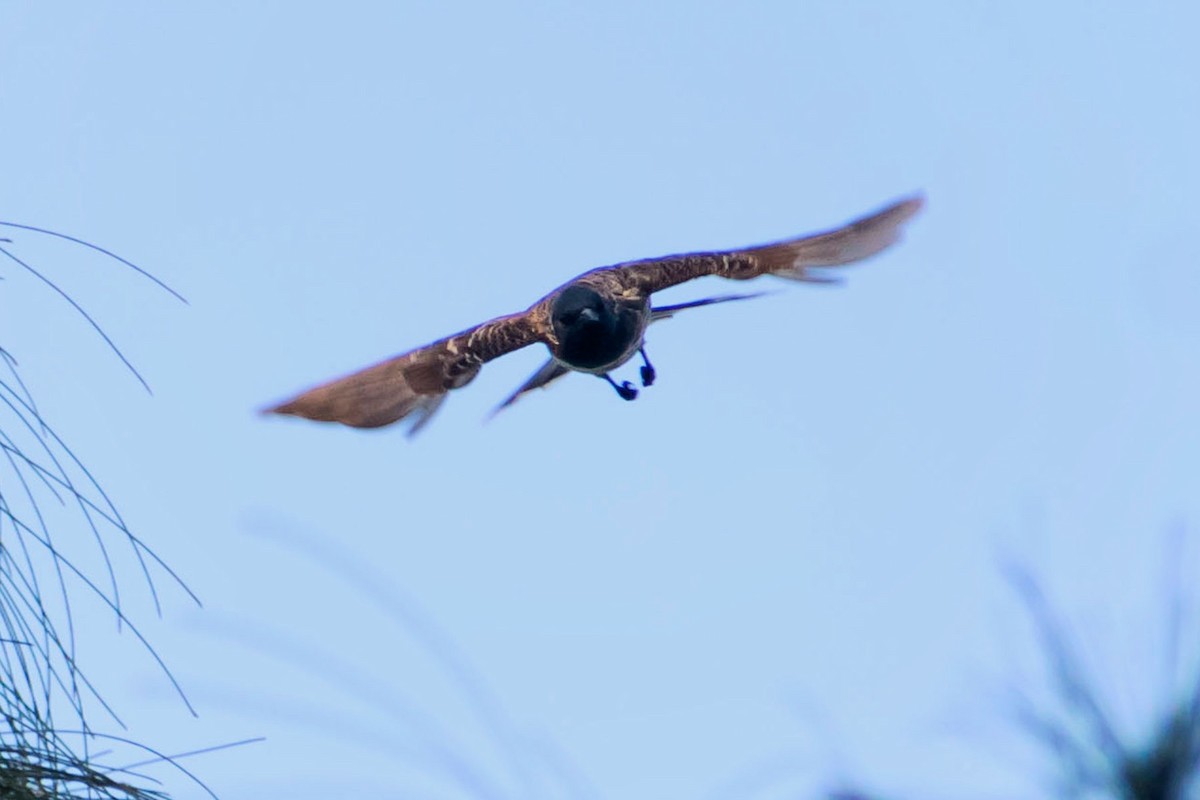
pixel 624 388
pixel 648 373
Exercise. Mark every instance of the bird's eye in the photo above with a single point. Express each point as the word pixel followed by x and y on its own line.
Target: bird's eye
pixel 569 318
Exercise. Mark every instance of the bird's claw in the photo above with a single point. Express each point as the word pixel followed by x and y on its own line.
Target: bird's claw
pixel 627 391
pixel 648 375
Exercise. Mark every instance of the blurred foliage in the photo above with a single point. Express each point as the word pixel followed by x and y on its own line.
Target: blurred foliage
pixel 1090 756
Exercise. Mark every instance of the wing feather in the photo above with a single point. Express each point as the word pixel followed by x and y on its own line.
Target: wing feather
pixel 791 258
pixel 413 383
pixel 862 238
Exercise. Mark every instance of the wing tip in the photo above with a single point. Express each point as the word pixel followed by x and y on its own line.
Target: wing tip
pixel 278 409
pixel 299 409
pixel 908 207
pixel 316 407
pixel 295 407
pixel 855 241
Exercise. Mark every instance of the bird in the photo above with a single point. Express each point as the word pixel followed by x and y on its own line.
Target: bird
pixel 593 324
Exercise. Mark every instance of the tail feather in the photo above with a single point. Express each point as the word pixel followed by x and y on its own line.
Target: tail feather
pixel 546 374
pixel 666 312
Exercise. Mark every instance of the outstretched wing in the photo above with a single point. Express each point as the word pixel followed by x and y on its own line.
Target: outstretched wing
pixel 791 258
pixel 413 383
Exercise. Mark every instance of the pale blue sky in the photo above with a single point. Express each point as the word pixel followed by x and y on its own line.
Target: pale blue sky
pixel 780 560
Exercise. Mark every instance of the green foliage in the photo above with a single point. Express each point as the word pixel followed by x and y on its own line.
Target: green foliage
pixel 50 508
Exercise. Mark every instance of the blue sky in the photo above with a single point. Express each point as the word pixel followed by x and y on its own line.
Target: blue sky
pixel 779 564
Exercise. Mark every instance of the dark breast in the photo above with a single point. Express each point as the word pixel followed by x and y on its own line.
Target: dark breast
pixel 599 348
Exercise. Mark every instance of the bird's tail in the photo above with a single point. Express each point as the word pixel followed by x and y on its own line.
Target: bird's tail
pixel 666 312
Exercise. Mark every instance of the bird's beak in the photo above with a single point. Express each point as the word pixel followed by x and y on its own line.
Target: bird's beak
pixel 589 315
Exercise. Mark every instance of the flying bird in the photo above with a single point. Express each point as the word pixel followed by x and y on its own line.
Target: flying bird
pixel 594 323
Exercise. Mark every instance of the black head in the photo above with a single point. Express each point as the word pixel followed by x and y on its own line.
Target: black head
pixel 593 332
pixel 580 309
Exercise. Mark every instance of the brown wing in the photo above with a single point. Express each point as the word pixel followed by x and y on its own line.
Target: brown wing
pixel 414 383
pixel 790 258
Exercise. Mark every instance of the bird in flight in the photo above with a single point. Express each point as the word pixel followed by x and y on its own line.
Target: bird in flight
pixel 594 323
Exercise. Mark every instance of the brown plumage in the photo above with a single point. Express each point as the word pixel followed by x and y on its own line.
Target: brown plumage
pixel 593 323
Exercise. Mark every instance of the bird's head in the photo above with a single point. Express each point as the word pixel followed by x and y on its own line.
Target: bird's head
pixel 580 310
